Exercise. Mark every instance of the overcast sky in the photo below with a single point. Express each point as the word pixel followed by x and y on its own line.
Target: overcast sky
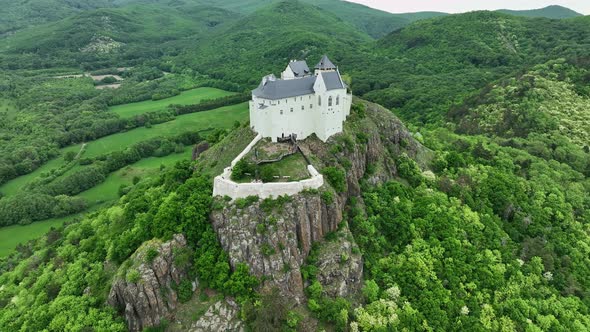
pixel 459 6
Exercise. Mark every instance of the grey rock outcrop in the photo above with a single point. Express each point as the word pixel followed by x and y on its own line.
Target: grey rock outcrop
pixel 221 316
pixel 276 243
pixel 143 291
pixel 340 266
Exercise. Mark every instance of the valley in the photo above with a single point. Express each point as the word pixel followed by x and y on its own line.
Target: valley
pixel 109 190
pixel 454 194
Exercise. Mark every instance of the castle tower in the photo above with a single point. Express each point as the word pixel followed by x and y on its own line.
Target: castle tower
pixel 325 65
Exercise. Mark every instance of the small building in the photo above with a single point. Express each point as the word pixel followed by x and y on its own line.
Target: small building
pixel 301 102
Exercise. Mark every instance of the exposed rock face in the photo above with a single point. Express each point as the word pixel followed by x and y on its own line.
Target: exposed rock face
pixel 144 291
pixel 198 149
pixel 276 243
pixel 340 266
pixel 221 316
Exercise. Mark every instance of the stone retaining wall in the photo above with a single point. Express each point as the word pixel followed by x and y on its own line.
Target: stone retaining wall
pixel 224 186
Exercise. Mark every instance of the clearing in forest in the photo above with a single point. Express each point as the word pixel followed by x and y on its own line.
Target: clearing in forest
pixel 188 97
pixel 223 117
pixel 11 236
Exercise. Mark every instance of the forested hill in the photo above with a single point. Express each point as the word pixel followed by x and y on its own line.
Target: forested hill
pixel 21 14
pixel 555 12
pixel 376 23
pixel 486 229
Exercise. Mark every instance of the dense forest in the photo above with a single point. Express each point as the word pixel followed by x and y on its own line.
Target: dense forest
pixel 490 235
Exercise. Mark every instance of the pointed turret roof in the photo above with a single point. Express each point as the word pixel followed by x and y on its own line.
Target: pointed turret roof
pixel 325 64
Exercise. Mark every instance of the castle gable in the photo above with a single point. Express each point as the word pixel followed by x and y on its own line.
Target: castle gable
pixel 299 68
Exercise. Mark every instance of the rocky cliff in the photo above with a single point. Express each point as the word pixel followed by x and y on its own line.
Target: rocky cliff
pixel 144 289
pixel 275 237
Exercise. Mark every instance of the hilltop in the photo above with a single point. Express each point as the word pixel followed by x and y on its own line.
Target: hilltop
pixel 553 12
pixel 270 37
pixel 456 198
pixel 110 37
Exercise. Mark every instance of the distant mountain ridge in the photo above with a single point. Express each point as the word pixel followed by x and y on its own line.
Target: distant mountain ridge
pixel 554 12
pixel 18 15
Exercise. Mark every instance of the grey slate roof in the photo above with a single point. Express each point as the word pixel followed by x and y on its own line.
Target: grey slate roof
pixel 300 68
pixel 272 88
pixel 277 89
pixel 332 80
pixel 325 63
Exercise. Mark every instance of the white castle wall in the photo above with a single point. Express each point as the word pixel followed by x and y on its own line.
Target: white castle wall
pixel 302 115
pixel 224 186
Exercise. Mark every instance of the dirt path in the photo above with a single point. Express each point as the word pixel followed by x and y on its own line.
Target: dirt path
pixel 80 152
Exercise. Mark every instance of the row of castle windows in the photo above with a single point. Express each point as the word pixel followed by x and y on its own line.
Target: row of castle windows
pixel 329 101
pixel 301 99
pixel 302 108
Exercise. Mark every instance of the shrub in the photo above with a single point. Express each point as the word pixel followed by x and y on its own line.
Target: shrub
pixel 184 290
pixel 241 168
pixel 327 197
pixel 241 284
pixel 336 178
pixel 108 80
pixel 245 202
pixel 133 276
pixel 293 319
pixel 267 250
pixel 69 156
pixel 360 110
pixel 269 204
pixel 363 138
pixel 370 291
pixel 151 254
pixel 266 174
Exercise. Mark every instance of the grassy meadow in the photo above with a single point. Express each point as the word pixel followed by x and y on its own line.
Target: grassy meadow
pixel 13 186
pixel 107 191
pixel 193 96
pixel 11 236
pixel 7 105
pixel 223 117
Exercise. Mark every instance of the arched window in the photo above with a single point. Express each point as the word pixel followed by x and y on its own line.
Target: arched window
pixel 320 100
pixel 330 101
pixel 337 100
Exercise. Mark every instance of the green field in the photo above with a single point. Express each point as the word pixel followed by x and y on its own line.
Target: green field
pixel 193 96
pixel 13 186
pixel 11 236
pixel 109 189
pixel 223 117
pixel 6 105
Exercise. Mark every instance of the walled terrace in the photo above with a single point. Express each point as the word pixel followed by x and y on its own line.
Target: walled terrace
pixel 264 154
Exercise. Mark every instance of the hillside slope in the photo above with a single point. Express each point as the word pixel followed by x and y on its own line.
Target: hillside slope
pixel 373 22
pixel 123 33
pixel 270 38
pixel 554 12
pixel 431 64
pixel 538 102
